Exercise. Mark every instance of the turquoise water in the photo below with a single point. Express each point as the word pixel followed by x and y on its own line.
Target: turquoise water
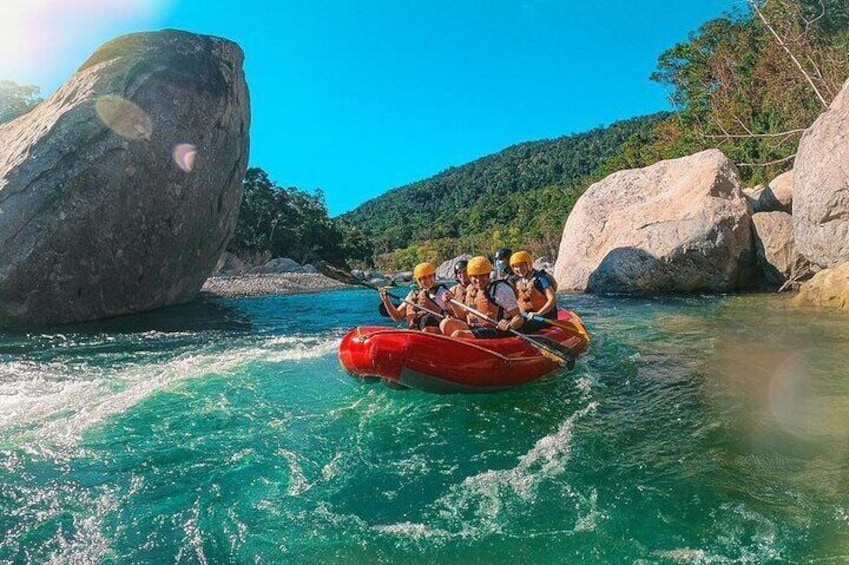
pixel 697 430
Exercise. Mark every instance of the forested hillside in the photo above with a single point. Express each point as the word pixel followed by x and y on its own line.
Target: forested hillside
pixel 520 194
pixel 748 83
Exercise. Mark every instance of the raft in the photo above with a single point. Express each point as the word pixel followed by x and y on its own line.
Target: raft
pixel 438 363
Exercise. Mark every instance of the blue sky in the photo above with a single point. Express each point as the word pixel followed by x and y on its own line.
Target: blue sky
pixel 357 97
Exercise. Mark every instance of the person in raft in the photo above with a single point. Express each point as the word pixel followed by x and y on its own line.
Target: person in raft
pixel 494 298
pixel 535 291
pixel 502 266
pixel 429 295
pixel 458 291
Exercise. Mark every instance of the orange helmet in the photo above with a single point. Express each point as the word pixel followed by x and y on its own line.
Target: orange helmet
pixel 423 270
pixel 521 257
pixel 479 265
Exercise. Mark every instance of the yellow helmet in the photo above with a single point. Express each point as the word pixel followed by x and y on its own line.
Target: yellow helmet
pixel 479 265
pixel 521 257
pixel 423 270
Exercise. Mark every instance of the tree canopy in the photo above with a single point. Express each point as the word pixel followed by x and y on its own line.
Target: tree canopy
pixel 16 100
pixel 287 222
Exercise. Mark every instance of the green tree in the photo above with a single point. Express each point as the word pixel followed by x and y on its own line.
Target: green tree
pixel 287 222
pixel 16 100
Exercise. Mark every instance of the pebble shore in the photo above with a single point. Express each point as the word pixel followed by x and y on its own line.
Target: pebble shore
pixel 239 286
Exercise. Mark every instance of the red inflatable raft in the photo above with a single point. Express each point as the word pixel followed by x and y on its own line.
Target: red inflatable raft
pixel 440 363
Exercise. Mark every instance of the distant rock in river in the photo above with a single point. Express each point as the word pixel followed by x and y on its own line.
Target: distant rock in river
pixel 118 194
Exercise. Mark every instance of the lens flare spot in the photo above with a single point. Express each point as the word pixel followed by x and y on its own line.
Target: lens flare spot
pixel 123 117
pixel 184 156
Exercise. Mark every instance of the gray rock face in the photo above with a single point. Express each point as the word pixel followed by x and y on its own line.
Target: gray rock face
pixel 279 265
pixel 778 258
pixel 229 264
pixel 821 190
pixel 677 226
pixel 118 194
pixel 403 277
pixel 445 271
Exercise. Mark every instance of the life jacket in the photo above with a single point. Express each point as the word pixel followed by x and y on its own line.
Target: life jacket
pixel 484 302
pixel 422 298
pixel 530 296
pixel 459 291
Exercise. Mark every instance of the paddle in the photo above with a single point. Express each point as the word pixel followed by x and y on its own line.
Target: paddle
pixel 343 276
pixel 565 324
pixel 548 348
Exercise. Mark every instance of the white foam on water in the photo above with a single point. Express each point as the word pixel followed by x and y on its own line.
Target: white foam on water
pixel 414 532
pixel 192 537
pixel 298 482
pixel 478 505
pixel 41 505
pixel 45 407
pixel 733 523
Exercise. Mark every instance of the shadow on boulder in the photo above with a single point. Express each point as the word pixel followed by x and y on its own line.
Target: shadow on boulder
pixel 622 271
pixel 632 271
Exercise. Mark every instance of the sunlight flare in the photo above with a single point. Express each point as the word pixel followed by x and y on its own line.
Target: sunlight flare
pixel 184 156
pixel 36 34
pixel 124 117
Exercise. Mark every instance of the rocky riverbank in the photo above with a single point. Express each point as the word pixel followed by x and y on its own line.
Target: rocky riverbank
pixel 240 286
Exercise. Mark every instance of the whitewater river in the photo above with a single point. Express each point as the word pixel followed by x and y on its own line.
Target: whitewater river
pixel 696 430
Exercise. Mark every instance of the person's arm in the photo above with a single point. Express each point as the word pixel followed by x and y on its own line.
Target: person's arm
pixel 443 299
pixel 397 314
pixel 507 300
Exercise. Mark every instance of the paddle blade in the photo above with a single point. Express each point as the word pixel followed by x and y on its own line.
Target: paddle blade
pixel 381 307
pixel 554 351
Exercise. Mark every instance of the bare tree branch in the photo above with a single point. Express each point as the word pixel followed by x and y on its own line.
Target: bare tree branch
pixel 754 5
pixel 751 135
pixel 776 162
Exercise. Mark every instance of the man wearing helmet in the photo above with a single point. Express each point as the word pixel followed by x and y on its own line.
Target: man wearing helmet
pixel 429 299
pixel 535 291
pixel 463 281
pixel 493 298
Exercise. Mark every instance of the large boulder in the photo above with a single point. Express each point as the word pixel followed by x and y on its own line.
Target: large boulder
pixel 677 226
pixel 821 191
pixel 279 265
pixel 777 195
pixel 777 256
pixel 229 264
pixel 119 193
pixel 445 271
pixel 828 288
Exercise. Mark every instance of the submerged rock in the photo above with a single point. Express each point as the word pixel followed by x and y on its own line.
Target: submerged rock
pixel 677 226
pixel 821 188
pixel 118 194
